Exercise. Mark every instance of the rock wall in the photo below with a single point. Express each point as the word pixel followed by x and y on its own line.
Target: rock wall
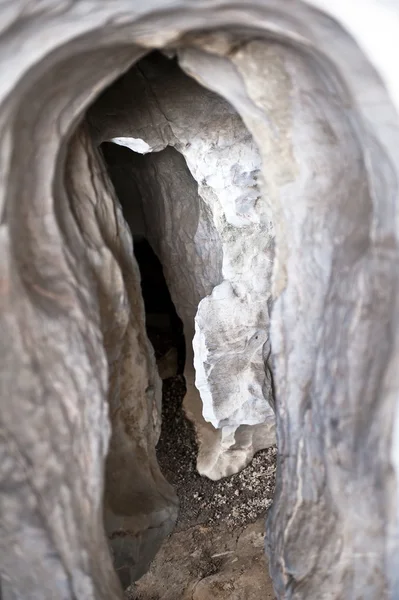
pixel 326 125
pixel 318 184
pixel 89 371
pixel 140 507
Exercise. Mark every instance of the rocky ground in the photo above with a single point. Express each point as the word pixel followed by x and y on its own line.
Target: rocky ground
pixel 217 549
pixel 209 563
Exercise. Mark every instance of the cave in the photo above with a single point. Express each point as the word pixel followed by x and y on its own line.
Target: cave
pixel 170 208
pixel 192 188
pixel 261 139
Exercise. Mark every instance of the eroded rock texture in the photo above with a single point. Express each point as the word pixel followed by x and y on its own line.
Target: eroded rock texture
pixel 205 218
pixel 326 125
pixel 107 376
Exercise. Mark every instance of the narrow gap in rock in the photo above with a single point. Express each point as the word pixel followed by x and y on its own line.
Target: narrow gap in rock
pixel 164 327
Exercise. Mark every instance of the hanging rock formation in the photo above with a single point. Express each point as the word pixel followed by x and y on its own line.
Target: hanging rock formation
pixel 316 86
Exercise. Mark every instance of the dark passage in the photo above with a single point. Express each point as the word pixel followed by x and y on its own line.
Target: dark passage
pixel 164 327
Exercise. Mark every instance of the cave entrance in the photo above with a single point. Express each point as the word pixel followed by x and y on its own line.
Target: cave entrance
pixel 170 182
pixel 320 96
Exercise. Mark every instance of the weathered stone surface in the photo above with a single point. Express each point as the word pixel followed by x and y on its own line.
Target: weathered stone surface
pixel 210 228
pixel 85 270
pixel 330 150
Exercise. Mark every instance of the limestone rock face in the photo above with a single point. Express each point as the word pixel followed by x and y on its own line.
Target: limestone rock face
pixel 316 83
pixel 205 218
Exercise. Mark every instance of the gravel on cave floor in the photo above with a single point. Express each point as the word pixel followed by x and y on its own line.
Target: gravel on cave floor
pixel 234 501
pixel 216 551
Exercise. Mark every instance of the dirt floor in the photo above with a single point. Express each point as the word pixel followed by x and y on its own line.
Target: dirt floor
pixel 217 549
pixel 236 500
pixel 209 563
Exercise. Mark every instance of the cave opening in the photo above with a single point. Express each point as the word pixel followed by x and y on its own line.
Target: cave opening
pixel 163 325
pixel 202 500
